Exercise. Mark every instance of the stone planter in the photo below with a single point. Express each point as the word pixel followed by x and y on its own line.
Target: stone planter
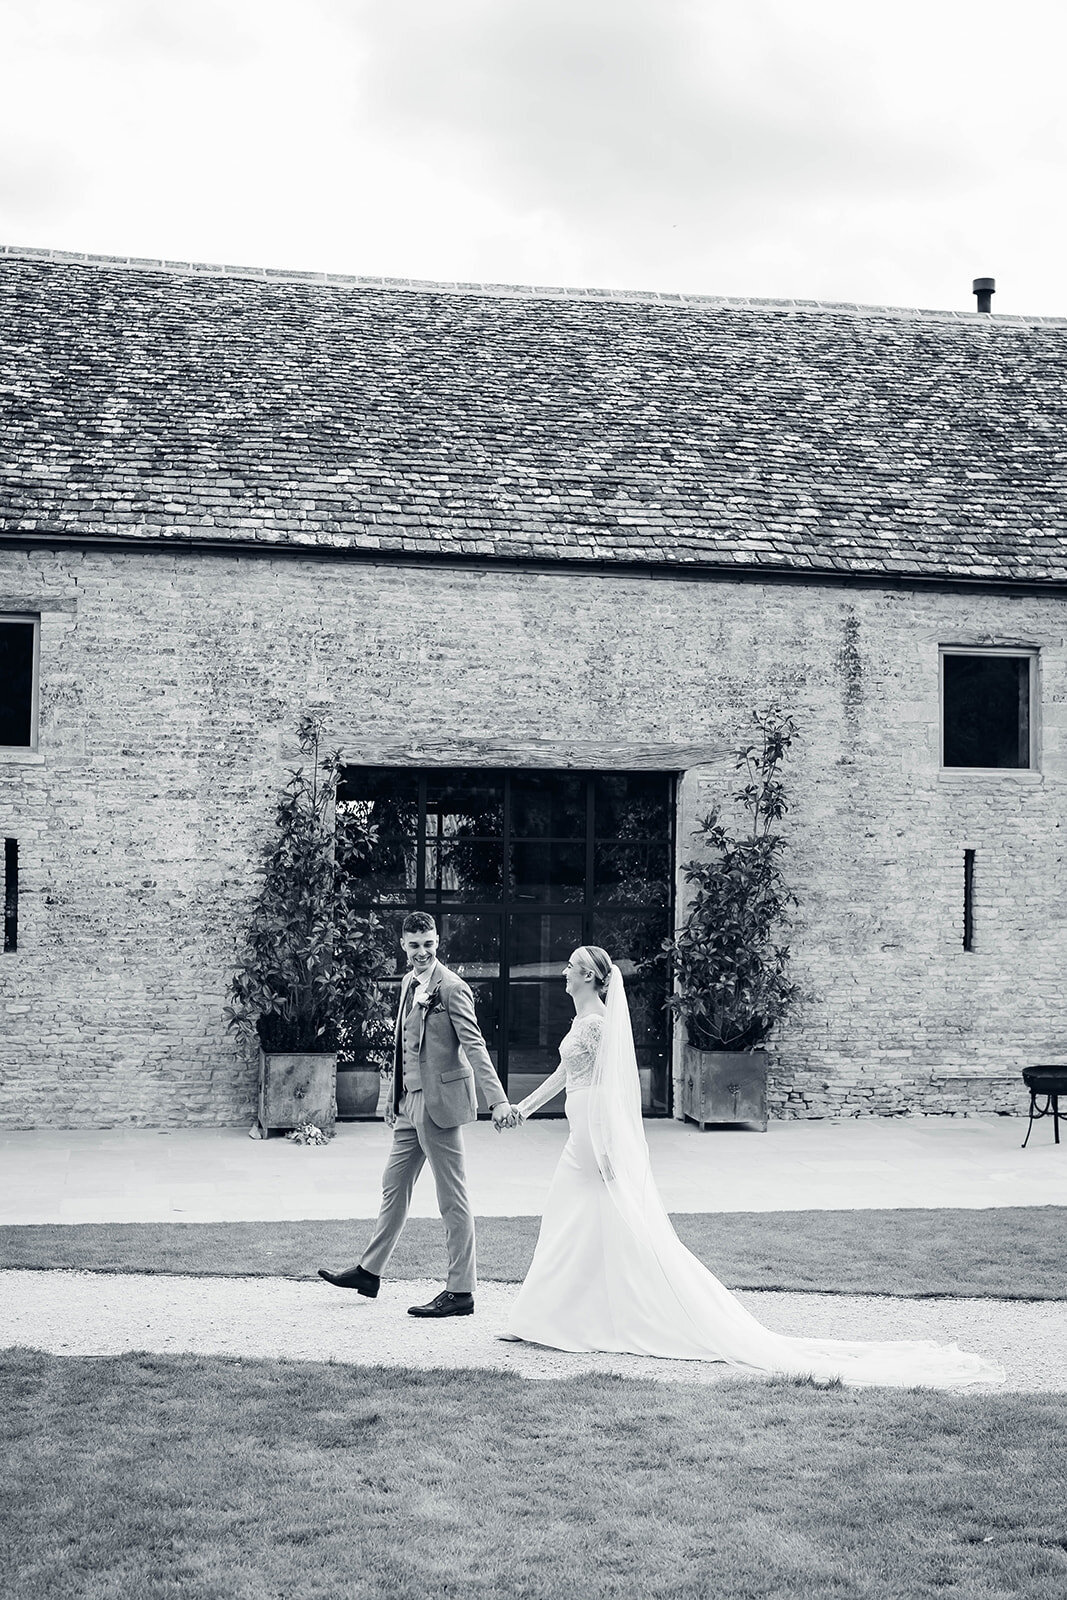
pixel 725 1086
pixel 358 1092
pixel 296 1087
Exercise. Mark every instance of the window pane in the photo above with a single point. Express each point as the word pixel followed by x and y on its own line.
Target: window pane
pixel 464 805
pixel 541 942
pixel 470 945
pixel 634 874
pixel 376 1051
pixel 548 805
pixel 540 1015
pixel 540 1010
pixel 631 937
pixel 392 920
pixel 632 805
pixel 385 797
pixel 548 872
pixel 487 1011
pixel 986 711
pixel 16 683
pixel 464 869
pixel 385 875
pixel 651 1025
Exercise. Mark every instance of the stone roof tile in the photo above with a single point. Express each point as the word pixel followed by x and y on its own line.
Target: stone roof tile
pixel 146 399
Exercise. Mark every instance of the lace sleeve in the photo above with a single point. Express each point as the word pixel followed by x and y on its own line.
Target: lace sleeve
pixel 544 1092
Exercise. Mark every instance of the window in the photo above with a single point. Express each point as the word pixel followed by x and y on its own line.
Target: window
pixel 518 868
pixel 18 682
pixel 987 706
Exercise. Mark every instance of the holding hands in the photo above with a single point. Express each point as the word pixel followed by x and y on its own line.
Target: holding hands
pixel 507 1116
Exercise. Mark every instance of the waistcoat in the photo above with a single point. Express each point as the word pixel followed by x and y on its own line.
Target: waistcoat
pixel 409 1044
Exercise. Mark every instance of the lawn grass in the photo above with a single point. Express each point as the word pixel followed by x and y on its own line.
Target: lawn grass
pixel 221 1479
pixel 1015 1252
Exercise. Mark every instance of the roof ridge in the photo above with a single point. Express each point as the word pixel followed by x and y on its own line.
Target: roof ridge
pixel 506 290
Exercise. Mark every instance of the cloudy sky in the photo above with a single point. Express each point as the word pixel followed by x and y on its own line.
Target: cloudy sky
pixel 820 149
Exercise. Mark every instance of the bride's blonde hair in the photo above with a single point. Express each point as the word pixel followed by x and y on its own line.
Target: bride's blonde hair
pixel 597 962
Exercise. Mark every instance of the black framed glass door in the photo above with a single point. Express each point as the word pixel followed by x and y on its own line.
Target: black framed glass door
pixel 518 868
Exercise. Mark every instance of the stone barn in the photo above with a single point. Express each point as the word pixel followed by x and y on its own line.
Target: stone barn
pixel 536 556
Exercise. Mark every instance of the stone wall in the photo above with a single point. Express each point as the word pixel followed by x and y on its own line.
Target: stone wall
pixel 171 684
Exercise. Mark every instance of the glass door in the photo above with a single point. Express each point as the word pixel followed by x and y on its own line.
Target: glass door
pixel 518 868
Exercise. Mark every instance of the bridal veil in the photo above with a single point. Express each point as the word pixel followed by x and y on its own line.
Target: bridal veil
pixel 695 1316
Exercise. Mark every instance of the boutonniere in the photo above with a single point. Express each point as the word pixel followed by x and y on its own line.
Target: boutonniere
pixel 429 1000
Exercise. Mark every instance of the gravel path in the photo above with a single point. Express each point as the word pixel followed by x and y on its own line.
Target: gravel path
pixel 89 1313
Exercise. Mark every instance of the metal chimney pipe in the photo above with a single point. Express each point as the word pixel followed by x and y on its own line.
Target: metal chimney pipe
pixel 985 289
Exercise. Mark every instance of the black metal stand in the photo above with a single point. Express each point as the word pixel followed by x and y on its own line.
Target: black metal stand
pixel 1050 1081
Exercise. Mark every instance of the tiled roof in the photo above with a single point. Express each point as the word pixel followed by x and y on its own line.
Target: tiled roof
pixel 142 399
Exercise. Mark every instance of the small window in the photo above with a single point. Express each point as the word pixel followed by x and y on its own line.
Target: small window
pixel 987 708
pixel 18 655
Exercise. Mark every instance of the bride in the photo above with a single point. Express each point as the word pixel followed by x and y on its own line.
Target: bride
pixel 610 1273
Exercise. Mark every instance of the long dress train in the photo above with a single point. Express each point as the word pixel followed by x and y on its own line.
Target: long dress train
pixel 615 1277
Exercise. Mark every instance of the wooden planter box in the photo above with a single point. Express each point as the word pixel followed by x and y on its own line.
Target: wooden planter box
pixel 726 1086
pixel 297 1087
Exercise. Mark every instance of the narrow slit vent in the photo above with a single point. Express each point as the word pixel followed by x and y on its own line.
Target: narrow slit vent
pixel 968 899
pixel 11 894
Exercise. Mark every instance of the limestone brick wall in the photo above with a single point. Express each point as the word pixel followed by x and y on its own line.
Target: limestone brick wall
pixel 171 683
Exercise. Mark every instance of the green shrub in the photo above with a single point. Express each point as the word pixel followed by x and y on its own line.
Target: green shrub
pixel 309 965
pixel 729 960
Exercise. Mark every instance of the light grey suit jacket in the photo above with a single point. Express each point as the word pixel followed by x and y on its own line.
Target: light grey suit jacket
pixel 452 1053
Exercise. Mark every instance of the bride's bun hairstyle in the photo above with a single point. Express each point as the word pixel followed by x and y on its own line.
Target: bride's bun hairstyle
pixel 597 962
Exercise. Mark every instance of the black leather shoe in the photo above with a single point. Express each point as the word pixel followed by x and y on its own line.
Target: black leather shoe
pixel 445 1305
pixel 359 1278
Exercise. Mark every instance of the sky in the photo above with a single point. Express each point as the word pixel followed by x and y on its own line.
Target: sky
pixel 781 149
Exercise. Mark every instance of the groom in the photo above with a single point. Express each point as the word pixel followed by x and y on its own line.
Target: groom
pixel 432 1097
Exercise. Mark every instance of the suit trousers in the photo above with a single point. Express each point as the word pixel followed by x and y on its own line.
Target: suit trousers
pixel 416 1140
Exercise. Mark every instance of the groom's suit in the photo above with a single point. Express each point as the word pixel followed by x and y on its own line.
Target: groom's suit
pixel 439 1056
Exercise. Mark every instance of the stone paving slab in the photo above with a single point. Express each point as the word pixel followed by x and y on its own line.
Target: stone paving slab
pixel 220 1175
pixel 85 1313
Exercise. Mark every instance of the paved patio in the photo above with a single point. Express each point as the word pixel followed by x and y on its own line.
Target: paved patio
pixel 220 1174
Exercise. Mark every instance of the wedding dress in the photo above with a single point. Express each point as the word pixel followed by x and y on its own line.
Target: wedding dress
pixel 610 1273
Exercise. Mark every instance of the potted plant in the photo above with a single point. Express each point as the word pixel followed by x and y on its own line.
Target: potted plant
pixel 366 1054
pixel 729 959
pixel 306 980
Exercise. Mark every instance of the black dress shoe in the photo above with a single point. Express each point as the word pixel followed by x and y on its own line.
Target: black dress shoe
pixel 359 1278
pixel 445 1305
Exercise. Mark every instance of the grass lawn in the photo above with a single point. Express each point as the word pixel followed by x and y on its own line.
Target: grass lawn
pixel 218 1479
pixel 1014 1252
